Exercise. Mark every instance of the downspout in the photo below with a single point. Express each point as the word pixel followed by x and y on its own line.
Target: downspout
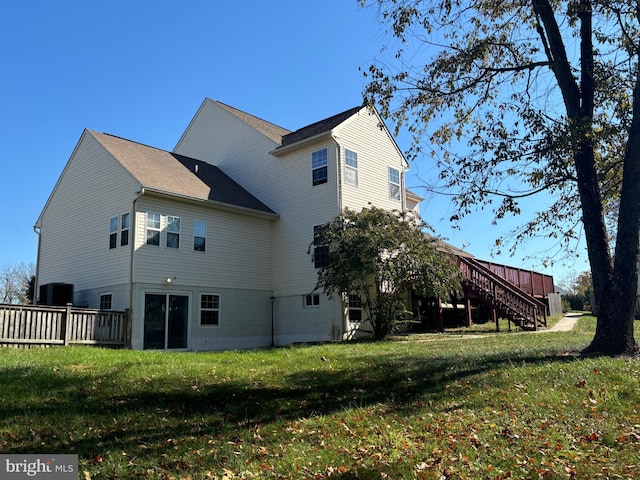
pixel 340 203
pixel 338 172
pixel 132 244
pixel 36 229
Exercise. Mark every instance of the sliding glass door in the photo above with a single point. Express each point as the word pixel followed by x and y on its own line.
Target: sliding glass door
pixel 166 321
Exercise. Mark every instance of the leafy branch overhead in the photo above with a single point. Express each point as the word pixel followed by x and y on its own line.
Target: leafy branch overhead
pixel 478 80
pixel 515 99
pixel 377 255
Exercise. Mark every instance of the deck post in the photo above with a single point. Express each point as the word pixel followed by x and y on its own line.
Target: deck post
pixel 494 317
pixel 66 324
pixel 468 320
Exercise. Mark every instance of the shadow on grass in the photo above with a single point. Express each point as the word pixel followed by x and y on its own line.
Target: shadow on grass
pixel 63 411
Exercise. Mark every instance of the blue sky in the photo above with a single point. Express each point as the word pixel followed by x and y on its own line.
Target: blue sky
pixel 139 69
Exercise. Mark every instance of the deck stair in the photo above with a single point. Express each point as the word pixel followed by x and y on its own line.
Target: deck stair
pixel 505 298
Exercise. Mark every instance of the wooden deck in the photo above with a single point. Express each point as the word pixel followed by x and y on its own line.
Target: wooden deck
pixel 31 325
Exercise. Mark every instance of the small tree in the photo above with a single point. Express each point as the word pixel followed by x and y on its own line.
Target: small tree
pixel 378 254
pixel 17 283
pixel 579 291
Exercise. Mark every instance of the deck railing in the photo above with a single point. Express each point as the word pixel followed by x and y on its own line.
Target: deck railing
pixel 503 293
pixel 31 325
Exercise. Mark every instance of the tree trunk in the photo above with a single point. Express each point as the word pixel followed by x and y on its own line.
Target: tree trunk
pixel 614 330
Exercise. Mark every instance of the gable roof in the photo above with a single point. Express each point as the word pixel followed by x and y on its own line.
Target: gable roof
pixel 318 128
pixel 170 173
pixel 268 129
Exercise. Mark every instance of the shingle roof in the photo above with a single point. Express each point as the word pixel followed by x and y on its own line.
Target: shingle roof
pixel 268 129
pixel 319 127
pixel 172 173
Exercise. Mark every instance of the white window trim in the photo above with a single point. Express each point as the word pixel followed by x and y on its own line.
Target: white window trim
pixel 113 231
pixel 199 236
pixel 219 310
pixel 122 229
pixel 399 184
pixel 147 229
pixel 104 294
pixel 318 167
pixel 350 168
pixel 311 296
pixel 178 233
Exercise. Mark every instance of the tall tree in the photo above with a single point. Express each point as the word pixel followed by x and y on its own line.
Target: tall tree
pixel 376 254
pixel 525 97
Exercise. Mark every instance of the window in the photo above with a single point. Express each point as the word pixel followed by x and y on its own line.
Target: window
pixel 113 232
pixel 119 223
pixel 153 229
pixel 105 301
pixel 351 167
pixel 394 183
pixel 124 230
pixel 312 300
pixel 355 308
pixel 199 236
pixel 320 252
pixel 209 309
pixel 319 166
pixel 173 232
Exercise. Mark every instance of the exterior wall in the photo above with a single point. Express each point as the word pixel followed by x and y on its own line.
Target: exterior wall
pixel 238 247
pixel 74 225
pixel 296 323
pixel 120 295
pixel 245 317
pixel 285 185
pixel 376 153
pixel 237 265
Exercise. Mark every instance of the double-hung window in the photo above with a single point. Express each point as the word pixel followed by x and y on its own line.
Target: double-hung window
pixel 394 183
pixel 119 224
pixel 199 236
pixel 351 167
pixel 153 229
pixel 113 232
pixel 355 308
pixel 106 301
pixel 173 232
pixel 319 161
pixel 320 252
pixel 312 300
pixel 209 309
pixel 124 230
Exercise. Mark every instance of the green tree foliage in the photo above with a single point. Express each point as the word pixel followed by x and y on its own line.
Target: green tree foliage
pixel 512 99
pixel 580 292
pixel 379 254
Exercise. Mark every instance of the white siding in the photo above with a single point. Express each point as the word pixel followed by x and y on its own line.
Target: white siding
pixel 238 248
pixel 376 153
pixel 284 184
pixel 74 226
pixel 245 317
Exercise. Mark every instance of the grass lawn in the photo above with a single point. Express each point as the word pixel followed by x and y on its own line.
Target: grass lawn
pixel 501 406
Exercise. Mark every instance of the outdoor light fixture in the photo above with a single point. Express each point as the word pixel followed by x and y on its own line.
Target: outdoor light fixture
pixel 170 279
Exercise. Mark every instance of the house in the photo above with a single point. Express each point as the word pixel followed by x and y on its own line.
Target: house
pixel 207 245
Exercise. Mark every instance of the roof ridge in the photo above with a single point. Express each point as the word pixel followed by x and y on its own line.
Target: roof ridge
pixel 320 126
pixel 129 140
pixel 267 128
